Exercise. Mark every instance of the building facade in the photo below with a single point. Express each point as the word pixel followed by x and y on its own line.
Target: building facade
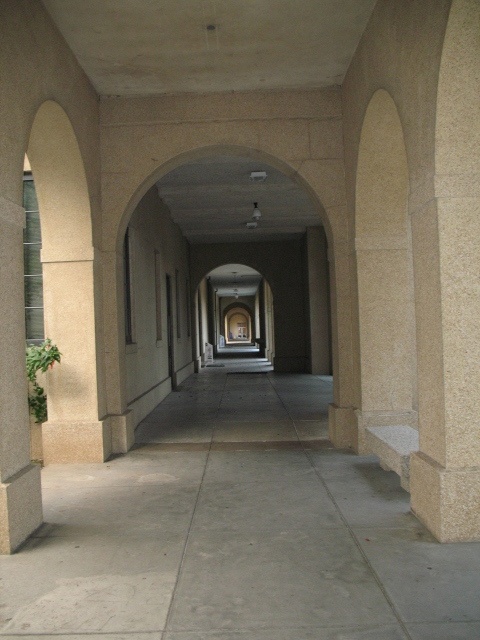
pixel 390 160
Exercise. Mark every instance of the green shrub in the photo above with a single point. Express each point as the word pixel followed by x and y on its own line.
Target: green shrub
pixel 40 358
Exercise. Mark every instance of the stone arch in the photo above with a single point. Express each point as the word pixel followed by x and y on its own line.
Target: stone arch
pixel 240 314
pixel 308 175
pixel 219 149
pixel 387 371
pixel 74 389
pixel 260 314
pixel 61 184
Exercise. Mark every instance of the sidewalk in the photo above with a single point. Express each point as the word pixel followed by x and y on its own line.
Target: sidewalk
pixel 235 519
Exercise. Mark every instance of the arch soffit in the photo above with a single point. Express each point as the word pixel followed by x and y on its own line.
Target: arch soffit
pixel 262 269
pixel 61 184
pixel 382 148
pixel 234 306
pixel 183 157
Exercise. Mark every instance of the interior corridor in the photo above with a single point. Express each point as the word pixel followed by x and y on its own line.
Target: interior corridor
pixel 233 518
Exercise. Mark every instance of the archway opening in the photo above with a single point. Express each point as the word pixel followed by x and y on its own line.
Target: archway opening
pixel 203 210
pixel 387 380
pixel 235 314
pixel 238 326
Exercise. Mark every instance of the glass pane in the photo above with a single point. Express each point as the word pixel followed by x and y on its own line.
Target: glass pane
pixel 34 323
pixel 32 231
pixel 29 196
pixel 33 291
pixel 31 260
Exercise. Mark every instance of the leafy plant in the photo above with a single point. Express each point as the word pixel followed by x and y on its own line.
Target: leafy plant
pixel 40 358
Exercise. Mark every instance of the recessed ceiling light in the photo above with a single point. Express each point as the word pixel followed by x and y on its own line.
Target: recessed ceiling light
pixel 258 176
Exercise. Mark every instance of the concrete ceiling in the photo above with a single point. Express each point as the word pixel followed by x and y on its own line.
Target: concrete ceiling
pixel 149 47
pixel 212 200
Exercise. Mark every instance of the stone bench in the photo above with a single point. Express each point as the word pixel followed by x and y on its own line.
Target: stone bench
pixel 393 445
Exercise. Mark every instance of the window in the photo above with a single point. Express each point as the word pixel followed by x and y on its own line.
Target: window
pixel 127 288
pixel 188 307
pixel 177 302
pixel 32 244
pixel 158 294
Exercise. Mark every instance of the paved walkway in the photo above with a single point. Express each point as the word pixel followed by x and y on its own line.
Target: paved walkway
pixel 234 519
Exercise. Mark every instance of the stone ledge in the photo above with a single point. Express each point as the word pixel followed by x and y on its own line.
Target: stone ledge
pixel 393 445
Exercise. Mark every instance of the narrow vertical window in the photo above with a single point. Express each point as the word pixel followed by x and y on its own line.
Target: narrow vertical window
pixel 127 288
pixel 32 244
pixel 177 302
pixel 187 295
pixel 158 294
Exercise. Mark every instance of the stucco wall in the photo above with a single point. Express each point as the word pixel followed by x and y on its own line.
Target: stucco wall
pixel 147 375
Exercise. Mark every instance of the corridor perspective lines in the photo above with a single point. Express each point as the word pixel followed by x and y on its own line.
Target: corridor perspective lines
pixel 234 518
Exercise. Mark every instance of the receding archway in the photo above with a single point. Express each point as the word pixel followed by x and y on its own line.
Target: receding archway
pixel 296 355
pixel 387 377
pixel 234 308
pixel 238 325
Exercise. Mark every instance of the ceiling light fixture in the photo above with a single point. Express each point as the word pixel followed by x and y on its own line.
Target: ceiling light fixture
pixel 256 212
pixel 258 176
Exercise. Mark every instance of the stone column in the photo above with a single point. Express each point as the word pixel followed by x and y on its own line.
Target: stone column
pixel 445 473
pixel 318 301
pixel 341 415
pixel 120 416
pixel 20 492
pixel 78 429
pixel 262 304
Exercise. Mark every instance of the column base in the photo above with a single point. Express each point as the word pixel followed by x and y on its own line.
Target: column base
pixel 341 426
pixel 446 501
pixel 20 507
pixel 366 419
pixel 123 432
pixel 76 442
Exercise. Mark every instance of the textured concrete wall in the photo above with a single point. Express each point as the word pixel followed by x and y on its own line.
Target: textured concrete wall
pixel 146 360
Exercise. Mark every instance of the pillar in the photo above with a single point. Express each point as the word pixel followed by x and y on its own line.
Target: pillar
pixel 20 492
pixel 341 416
pixel 445 473
pixel 121 421
pixel 317 265
pixel 78 429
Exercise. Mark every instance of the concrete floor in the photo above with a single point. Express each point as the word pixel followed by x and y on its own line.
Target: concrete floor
pixel 234 519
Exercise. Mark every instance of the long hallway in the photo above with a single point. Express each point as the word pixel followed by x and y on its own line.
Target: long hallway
pixel 234 518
